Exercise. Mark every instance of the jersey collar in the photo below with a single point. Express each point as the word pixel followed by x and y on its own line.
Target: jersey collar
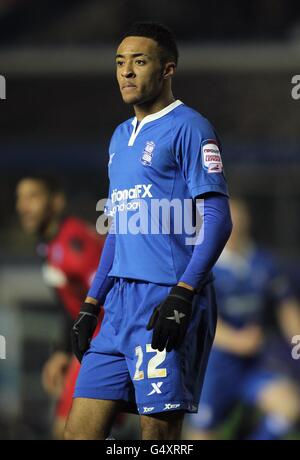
pixel 148 118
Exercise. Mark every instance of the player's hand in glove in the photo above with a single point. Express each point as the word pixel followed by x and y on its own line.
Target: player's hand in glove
pixel 84 328
pixel 170 319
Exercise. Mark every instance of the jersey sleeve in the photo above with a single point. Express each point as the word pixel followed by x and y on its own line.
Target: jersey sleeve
pixel 218 225
pixel 197 151
pixel 102 284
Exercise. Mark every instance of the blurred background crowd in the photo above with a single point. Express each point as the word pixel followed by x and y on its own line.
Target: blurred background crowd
pixel 237 60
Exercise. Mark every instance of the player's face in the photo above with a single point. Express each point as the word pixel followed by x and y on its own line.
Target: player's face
pixel 34 205
pixel 139 70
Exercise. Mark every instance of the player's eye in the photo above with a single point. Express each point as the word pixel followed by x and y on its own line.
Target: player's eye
pixel 119 63
pixel 140 62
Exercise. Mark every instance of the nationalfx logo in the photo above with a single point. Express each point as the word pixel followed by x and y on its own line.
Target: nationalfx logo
pixel 211 157
pixel 151 217
pixel 138 191
pixel 119 199
pixel 2 347
pixel 2 87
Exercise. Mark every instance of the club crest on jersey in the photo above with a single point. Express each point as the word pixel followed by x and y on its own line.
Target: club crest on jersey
pixel 147 156
pixel 211 157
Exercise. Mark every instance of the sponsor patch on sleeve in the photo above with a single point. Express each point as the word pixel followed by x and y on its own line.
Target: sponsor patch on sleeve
pixel 211 156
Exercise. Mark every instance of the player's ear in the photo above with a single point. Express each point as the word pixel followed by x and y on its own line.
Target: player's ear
pixel 169 69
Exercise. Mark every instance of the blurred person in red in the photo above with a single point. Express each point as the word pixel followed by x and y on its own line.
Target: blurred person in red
pixel 251 289
pixel 70 249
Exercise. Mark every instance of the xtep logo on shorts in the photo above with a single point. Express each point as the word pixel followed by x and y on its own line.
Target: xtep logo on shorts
pixel 138 191
pixel 156 388
pixel 146 410
pixel 171 406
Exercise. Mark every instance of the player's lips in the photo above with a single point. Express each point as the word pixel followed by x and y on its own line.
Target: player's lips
pixel 128 86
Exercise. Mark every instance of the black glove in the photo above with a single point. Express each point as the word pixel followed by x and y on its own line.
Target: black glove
pixel 84 328
pixel 170 319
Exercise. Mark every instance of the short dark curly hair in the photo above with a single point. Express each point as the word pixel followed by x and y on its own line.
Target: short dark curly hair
pixel 158 32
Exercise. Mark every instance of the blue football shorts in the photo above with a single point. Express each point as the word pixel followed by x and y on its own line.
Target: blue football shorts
pixel 121 364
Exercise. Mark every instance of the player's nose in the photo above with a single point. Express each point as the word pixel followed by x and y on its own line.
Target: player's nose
pixel 127 71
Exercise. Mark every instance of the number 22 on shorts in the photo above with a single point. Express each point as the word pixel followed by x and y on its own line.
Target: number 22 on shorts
pixel 152 371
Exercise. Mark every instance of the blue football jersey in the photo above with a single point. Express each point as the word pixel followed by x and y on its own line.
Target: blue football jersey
pixel 158 165
pixel 247 284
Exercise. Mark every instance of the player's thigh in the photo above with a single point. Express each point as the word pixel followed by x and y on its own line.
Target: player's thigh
pixel 162 426
pixel 280 396
pixel 91 419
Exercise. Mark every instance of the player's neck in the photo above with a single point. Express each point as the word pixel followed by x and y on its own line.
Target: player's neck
pixel 148 108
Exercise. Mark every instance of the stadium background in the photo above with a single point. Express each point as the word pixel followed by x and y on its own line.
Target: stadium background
pixel 236 63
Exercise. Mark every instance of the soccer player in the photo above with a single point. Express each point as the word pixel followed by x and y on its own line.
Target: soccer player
pixel 250 288
pixel 71 251
pixel 160 309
